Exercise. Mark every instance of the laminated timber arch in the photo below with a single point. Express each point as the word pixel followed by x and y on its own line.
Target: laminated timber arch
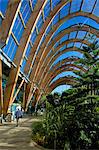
pixel 48 38
pixel 8 22
pixel 43 50
pixel 61 81
pixel 51 61
pixel 41 63
pixel 66 60
pixel 46 61
pixel 34 66
pixel 35 82
pixel 36 95
pixel 57 70
pixel 13 76
pixel 42 33
pixel 66 42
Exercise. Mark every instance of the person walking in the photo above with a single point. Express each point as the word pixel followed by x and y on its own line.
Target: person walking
pixel 18 115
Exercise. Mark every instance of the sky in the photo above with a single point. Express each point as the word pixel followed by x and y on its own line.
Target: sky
pixel 61 88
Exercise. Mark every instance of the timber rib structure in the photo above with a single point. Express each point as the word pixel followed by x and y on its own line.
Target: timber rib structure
pixel 34 34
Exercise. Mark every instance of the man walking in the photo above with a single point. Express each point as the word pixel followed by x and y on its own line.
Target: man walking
pixel 18 115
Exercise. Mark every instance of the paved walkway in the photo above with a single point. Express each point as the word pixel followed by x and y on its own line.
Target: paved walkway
pixel 17 138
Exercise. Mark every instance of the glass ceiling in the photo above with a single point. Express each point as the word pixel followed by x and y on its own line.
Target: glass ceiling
pixel 67 13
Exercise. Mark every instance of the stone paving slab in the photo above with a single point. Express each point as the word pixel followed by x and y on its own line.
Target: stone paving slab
pixel 18 138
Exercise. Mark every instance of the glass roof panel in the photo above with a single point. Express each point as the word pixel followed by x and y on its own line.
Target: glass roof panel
pixel 81 34
pixel 13 52
pixel 56 19
pixel 55 2
pixel 56 44
pixel 75 6
pixel 49 42
pixel 96 9
pixel 23 65
pixel 43 39
pixel 62 48
pixel 11 48
pixel 70 45
pixel 25 10
pixel 68 54
pixel 3 6
pixel 77 44
pixel 64 38
pixel 40 22
pixel 64 74
pixel 34 3
pixel 72 35
pixel 79 20
pixel 88 5
pixel 47 9
pixel 48 29
pixel 18 28
pixel 5 48
pixel 33 36
pixel 64 11
pixel 97 41
pixel 51 51
pixel 28 50
pixel 55 34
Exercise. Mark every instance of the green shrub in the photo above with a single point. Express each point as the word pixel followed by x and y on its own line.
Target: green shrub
pixel 38 132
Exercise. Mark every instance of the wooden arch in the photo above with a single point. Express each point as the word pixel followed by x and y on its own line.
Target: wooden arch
pixel 29 64
pixel 59 70
pixel 41 63
pixel 61 81
pixel 51 61
pixel 30 86
pixel 38 61
pixel 64 43
pixel 43 68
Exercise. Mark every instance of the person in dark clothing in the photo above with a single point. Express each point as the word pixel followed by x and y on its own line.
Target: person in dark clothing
pixel 18 115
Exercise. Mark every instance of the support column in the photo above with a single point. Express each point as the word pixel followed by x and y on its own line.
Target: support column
pixel 18 90
pixel 31 92
pixel 37 100
pixel 1 90
pixel 24 96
